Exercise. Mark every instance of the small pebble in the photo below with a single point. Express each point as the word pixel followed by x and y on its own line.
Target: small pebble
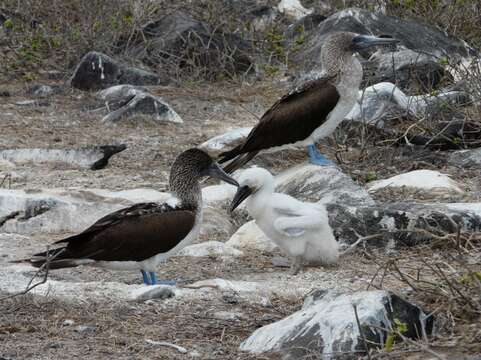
pixel 85 329
pixel 68 322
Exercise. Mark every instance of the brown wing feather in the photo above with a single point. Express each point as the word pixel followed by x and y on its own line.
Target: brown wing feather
pixel 291 119
pixel 135 238
pixel 134 233
pixel 115 217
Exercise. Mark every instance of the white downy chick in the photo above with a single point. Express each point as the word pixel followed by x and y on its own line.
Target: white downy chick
pixel 301 229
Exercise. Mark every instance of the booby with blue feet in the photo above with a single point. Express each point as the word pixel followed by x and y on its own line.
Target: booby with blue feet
pixel 301 229
pixel 144 235
pixel 313 110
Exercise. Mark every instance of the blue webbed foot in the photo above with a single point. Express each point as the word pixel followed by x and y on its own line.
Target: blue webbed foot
pixel 145 277
pixel 154 281
pixel 316 158
pixel 167 282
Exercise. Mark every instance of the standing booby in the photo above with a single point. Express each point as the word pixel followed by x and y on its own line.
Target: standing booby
pixel 143 235
pixel 314 110
pixel 300 229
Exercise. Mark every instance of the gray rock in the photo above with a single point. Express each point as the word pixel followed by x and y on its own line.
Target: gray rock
pixel 57 211
pixel 410 70
pixel 303 26
pixel 156 292
pixel 210 248
pixel 293 9
pixel 465 158
pixel 41 90
pixel 261 17
pixel 412 34
pixel 191 40
pixel 228 315
pixel 402 224
pixel 85 329
pixel 226 141
pixel 313 183
pixel 249 236
pixel 327 324
pixel 90 157
pixel 99 71
pixel 126 100
pixel 380 103
pixel 32 103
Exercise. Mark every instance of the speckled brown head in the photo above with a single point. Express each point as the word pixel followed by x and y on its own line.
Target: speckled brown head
pixel 340 46
pixel 186 171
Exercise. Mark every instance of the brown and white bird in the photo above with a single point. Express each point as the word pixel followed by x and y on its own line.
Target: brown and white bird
pixel 144 235
pixel 314 110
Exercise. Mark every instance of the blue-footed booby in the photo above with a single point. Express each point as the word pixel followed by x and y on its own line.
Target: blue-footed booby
pixel 300 229
pixel 142 236
pixel 313 110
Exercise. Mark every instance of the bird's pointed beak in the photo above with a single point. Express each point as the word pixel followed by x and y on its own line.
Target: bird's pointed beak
pixel 361 42
pixel 243 192
pixel 215 171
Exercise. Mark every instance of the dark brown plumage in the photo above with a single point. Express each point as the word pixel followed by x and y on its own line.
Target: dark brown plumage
pixel 130 234
pixel 315 110
pixel 309 106
pixel 143 235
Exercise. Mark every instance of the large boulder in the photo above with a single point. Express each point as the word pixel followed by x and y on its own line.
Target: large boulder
pixel 402 224
pixel 98 71
pixel 54 211
pixel 327 324
pixel 412 34
pixel 420 180
pixel 226 141
pixel 183 39
pixel 409 69
pixel 380 103
pixel 466 158
pixel 414 65
pixel 313 183
pixel 125 101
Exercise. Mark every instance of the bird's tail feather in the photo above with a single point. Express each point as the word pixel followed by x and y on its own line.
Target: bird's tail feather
pixel 229 155
pixel 239 161
pixel 55 264
pixel 52 256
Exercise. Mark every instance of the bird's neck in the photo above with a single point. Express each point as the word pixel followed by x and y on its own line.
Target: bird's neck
pixel 350 77
pixel 342 68
pixel 188 191
pixel 258 202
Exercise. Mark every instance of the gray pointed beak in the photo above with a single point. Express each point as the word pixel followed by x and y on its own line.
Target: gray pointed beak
pixel 243 192
pixel 362 42
pixel 215 171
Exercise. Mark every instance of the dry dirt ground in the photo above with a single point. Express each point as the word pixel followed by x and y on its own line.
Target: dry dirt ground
pixel 33 327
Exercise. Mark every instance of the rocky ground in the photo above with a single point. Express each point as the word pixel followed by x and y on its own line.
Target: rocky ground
pixel 416 206
pixel 209 322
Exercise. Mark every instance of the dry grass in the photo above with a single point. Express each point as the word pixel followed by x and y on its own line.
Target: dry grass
pixel 32 326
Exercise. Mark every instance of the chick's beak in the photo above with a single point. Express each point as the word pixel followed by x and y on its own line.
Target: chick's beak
pixel 243 192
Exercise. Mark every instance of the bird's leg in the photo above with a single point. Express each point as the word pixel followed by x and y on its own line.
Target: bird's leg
pixel 316 158
pixel 145 277
pixel 296 265
pixel 154 280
